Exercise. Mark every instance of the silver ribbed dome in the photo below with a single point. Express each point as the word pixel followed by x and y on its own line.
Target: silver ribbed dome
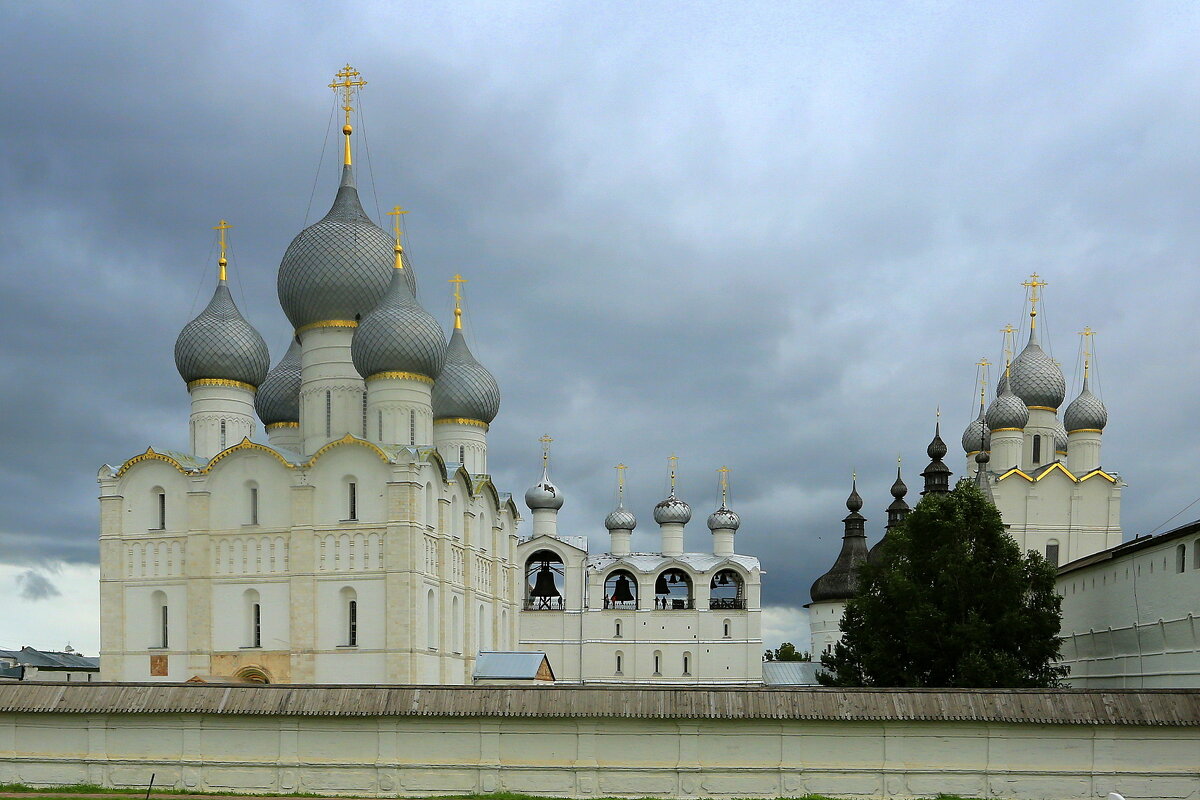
pixel 399 335
pixel 1060 437
pixel 1007 411
pixel 620 519
pixel 977 436
pixel 464 388
pixel 672 510
pixel 1035 378
pixel 278 398
pixel 221 344
pixel 1086 412
pixel 339 267
pixel 723 520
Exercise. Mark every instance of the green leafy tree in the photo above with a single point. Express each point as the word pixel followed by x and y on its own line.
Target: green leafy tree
pixel 786 652
pixel 951 603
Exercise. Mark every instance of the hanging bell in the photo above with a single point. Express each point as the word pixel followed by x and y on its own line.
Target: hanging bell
pixel 724 578
pixel 674 578
pixel 544 585
pixel 621 593
pixel 660 585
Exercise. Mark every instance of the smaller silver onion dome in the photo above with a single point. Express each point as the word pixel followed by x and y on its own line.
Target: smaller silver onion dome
pixel 1035 378
pixel 620 519
pixel 672 510
pixel 464 389
pixel 221 344
pixel 1086 412
pixel 399 335
pixel 1007 411
pixel 1060 437
pixel 724 520
pixel 278 398
pixel 977 436
pixel 544 494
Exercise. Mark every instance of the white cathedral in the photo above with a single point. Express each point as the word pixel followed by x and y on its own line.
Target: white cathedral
pixel 365 542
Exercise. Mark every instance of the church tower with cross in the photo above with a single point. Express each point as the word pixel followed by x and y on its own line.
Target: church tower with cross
pixel 364 542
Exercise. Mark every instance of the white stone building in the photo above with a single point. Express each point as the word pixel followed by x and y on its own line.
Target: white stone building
pixel 666 617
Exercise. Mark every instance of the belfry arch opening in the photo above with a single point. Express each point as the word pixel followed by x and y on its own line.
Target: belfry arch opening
pixel 673 590
pixel 545 580
pixel 621 590
pixel 727 590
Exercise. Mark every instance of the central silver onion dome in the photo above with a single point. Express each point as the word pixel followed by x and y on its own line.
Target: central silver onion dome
pixel 340 267
pixel 1035 378
pixel 399 335
pixel 278 398
pixel 1086 412
pixel 220 344
pixel 1007 411
pixel 620 519
pixel 977 436
pixel 672 509
pixel 464 389
pixel 543 494
pixel 724 519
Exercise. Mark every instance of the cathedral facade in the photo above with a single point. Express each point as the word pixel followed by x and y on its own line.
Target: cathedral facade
pixel 364 541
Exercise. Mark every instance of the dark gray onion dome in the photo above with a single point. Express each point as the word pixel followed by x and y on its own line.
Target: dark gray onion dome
pixel 896 512
pixel 340 267
pixel 464 389
pixel 841 581
pixel 1086 412
pixel 981 476
pixel 1035 378
pixel 936 474
pixel 220 344
pixel 724 520
pixel 399 335
pixel 1060 437
pixel 1007 411
pixel 977 436
pixel 620 519
pixel 278 398
pixel 672 510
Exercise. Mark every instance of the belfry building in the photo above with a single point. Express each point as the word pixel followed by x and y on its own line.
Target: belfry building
pixel 364 541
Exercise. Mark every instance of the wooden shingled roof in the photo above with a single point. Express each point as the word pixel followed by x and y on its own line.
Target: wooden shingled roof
pixel 1174 707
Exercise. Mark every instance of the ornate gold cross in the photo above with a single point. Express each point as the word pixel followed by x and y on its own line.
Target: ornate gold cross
pixel 620 468
pixel 673 461
pixel 221 227
pixel 545 440
pixel 351 80
pixel 397 212
pixel 724 473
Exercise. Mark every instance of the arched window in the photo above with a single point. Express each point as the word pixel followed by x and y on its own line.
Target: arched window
pixel 349 604
pixel 1037 449
pixel 544 581
pixel 253 616
pixel 687 663
pixel 412 427
pixel 328 413
pixel 1181 558
pixel 617 629
pixel 160 508
pixel 1052 552
pixel 252 498
pixel 658 662
pixel 222 434
pixel 159 620
pixel 351 500
pixel 673 590
pixel 456 622
pixel 727 590
pixel 431 620
pixel 620 657
pixel 621 590
pixel 726 628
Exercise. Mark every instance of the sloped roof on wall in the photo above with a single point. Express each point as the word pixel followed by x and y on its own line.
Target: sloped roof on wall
pixel 790 673
pixel 1173 707
pixel 515 666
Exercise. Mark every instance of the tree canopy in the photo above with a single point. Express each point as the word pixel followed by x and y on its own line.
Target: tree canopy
pixel 951 603
pixel 786 652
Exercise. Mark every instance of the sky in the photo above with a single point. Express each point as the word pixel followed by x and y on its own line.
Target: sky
pixel 774 237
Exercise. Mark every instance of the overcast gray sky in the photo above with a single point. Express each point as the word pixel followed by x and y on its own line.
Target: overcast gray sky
pixel 772 236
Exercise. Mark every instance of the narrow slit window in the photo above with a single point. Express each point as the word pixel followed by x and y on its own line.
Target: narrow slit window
pixel 352 623
pixel 412 427
pixel 364 415
pixel 618 662
pixel 328 413
pixel 257 625
pixel 1037 449
pixel 162 511
pixel 687 664
pixel 462 454
pixel 352 500
pixel 379 423
pixel 253 505
pixel 163 638
pixel 222 434
pixel 1052 553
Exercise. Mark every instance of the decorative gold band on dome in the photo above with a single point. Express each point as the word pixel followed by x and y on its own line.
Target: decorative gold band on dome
pixel 327 323
pixel 998 430
pixel 1085 430
pixel 1041 408
pixel 229 384
pixel 478 423
pixel 272 426
pixel 401 376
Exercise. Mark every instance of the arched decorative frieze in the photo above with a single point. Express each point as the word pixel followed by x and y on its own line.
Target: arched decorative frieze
pixel 245 444
pixel 150 455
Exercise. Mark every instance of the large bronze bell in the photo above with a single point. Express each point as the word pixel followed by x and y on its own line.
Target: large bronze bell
pixel 660 585
pixel 621 593
pixel 544 585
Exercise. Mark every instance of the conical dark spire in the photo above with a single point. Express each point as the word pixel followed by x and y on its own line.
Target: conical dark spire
pixel 937 474
pixel 841 581
pixel 981 474
pixel 896 512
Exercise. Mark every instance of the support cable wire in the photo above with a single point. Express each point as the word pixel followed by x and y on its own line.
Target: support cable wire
pixel 362 123
pixel 205 272
pixel 320 160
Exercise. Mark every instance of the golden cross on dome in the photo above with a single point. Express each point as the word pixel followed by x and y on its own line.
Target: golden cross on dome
pixel 545 440
pixel 673 461
pixel 1087 333
pixel 458 281
pixel 1033 284
pixel 620 468
pixel 1008 331
pixel 351 81
pixel 221 227
pixel 983 364
pixel 724 473
pixel 397 212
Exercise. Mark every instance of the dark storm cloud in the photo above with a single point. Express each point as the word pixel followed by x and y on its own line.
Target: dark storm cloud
pixel 32 585
pixel 770 237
